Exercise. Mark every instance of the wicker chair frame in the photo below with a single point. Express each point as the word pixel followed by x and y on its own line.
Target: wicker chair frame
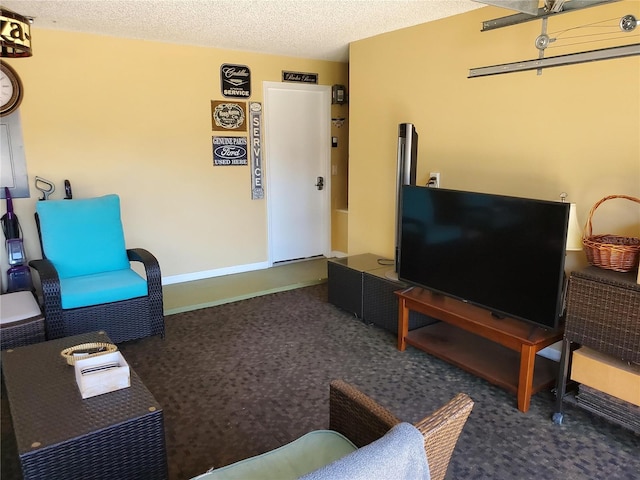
pixel 123 321
pixel 362 420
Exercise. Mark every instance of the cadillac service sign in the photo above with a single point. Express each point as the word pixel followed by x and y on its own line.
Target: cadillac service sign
pixel 228 151
pixel 235 80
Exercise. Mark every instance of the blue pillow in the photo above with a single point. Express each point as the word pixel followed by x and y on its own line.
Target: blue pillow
pixel 83 236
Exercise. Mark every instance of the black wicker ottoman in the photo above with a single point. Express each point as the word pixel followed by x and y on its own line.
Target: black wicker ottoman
pixel 117 435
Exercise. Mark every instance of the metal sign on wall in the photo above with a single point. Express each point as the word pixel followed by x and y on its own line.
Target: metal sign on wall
pixel 15 34
pixel 235 80
pixel 229 151
pixel 255 119
pixel 300 77
pixel 229 116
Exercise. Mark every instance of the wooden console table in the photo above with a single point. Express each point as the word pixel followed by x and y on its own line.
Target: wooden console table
pixel 500 350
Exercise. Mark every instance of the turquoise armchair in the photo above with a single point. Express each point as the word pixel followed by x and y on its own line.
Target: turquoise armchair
pixel 85 274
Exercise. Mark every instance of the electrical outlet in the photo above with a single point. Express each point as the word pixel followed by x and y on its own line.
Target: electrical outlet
pixel 434 180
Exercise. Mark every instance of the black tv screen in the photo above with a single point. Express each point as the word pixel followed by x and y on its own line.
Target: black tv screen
pixel 505 254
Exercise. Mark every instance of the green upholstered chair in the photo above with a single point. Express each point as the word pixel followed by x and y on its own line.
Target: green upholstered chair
pixel 85 274
pixel 355 421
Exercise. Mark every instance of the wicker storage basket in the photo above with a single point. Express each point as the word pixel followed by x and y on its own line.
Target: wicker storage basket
pixel 612 252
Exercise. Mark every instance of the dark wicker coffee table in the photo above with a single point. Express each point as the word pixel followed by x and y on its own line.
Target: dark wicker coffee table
pixel 117 435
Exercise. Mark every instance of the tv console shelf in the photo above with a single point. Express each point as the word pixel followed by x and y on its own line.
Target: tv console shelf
pixel 500 350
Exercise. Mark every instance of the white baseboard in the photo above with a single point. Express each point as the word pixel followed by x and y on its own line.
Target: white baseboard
pixel 218 272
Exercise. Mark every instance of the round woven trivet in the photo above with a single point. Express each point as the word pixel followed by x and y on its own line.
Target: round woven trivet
pixel 67 353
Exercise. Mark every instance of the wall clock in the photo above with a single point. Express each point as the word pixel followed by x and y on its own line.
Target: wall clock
pixel 11 90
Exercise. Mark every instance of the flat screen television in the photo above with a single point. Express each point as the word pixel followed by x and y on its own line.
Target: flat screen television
pixel 505 254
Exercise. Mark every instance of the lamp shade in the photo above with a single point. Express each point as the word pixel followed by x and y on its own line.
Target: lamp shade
pixel 574 234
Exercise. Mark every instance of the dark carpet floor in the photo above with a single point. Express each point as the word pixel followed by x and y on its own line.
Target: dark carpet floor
pixel 239 379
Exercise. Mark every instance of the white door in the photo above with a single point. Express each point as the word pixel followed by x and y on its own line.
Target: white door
pixel 298 152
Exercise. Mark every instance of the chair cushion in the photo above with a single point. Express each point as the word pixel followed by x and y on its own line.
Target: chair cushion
pixel 83 236
pixel 304 455
pixel 101 288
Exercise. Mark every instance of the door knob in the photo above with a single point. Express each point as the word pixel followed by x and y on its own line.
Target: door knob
pixel 320 183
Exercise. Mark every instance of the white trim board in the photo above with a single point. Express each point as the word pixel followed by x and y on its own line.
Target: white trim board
pixel 218 272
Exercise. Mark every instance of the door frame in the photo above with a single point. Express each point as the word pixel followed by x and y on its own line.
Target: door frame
pixel 325 91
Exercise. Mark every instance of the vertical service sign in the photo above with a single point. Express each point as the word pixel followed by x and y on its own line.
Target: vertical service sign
pixel 255 119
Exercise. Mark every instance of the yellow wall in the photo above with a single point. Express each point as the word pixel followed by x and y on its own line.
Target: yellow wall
pixel 134 117
pixel 574 128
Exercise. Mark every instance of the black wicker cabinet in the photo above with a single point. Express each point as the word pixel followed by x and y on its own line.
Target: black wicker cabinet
pixel 364 285
pixel 380 304
pixel 603 313
pixel 346 281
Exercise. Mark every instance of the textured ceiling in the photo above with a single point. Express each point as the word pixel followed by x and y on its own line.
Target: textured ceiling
pixel 317 29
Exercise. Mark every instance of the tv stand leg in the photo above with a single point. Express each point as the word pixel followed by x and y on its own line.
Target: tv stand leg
pixel 525 381
pixel 403 324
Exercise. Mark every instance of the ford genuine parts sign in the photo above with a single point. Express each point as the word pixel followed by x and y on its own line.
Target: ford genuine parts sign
pixel 229 151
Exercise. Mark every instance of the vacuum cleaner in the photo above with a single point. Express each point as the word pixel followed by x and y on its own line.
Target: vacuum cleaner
pixel 19 274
